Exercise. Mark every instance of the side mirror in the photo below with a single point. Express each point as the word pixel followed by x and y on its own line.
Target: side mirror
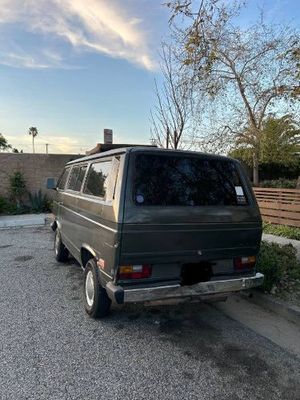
pixel 51 184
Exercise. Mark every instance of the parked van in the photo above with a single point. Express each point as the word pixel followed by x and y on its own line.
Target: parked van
pixel 150 224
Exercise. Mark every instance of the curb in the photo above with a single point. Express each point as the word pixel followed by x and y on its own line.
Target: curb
pixel 48 220
pixel 25 222
pixel 23 225
pixel 289 312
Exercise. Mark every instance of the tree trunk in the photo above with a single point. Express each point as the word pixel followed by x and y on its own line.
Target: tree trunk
pixel 33 144
pixel 255 170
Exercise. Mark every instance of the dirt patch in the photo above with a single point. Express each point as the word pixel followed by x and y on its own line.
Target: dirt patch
pixel 237 363
pixel 119 327
pixel 75 298
pixel 75 288
pixel 24 258
pixel 291 297
pixel 133 317
pixel 248 363
pixel 188 375
pixel 41 230
pixel 75 273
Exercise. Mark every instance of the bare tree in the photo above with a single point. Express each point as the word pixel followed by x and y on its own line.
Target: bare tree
pixel 171 116
pixel 247 73
pixel 33 132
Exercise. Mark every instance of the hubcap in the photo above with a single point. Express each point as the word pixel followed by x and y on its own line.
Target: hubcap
pixel 89 288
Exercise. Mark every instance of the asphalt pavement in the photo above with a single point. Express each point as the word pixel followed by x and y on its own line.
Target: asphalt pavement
pixel 50 349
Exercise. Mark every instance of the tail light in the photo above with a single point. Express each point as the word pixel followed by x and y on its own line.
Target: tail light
pixel 135 271
pixel 241 263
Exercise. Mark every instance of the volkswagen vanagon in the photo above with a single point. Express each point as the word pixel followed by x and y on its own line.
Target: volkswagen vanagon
pixel 150 224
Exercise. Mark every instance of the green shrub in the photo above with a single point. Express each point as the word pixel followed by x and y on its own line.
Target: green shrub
pixel 289 232
pixel 278 263
pixel 39 202
pixel 269 265
pixel 14 209
pixel 279 183
pixel 3 205
pixel 17 190
pixel 9 207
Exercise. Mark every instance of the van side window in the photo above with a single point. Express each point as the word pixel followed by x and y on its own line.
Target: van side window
pixel 63 179
pixel 80 178
pixel 113 177
pixel 76 178
pixel 97 179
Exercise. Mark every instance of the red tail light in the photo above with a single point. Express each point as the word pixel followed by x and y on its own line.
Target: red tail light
pixel 135 271
pixel 241 263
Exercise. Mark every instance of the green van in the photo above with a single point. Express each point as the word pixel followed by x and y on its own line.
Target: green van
pixel 155 225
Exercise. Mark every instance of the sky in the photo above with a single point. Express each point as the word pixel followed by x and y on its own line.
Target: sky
pixel 74 67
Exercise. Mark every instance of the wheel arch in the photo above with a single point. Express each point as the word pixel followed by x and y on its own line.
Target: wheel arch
pixel 86 253
pixel 56 225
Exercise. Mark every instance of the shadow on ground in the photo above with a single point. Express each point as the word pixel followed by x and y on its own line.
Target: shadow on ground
pixel 200 332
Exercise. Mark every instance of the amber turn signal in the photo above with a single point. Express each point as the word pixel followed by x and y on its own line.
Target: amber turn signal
pixel 135 271
pixel 241 263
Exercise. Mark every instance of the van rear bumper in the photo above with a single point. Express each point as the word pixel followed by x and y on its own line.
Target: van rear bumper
pixel 201 290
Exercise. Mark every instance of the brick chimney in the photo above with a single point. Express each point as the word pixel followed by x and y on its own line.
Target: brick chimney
pixel 108 136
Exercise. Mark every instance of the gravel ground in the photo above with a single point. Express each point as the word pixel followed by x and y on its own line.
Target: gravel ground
pixel 50 349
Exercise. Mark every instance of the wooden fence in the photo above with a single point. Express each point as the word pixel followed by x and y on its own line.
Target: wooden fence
pixel 279 206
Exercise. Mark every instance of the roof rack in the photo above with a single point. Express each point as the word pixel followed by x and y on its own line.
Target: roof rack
pixel 102 147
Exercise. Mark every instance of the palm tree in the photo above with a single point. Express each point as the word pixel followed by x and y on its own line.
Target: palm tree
pixel 33 132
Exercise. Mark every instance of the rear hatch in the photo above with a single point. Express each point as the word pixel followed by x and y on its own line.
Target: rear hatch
pixel 184 207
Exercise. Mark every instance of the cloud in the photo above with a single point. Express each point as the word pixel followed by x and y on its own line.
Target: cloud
pixel 99 26
pixel 17 60
pixel 28 61
pixel 57 144
pixel 64 143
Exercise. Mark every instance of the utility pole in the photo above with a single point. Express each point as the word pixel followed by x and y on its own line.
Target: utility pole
pixel 47 145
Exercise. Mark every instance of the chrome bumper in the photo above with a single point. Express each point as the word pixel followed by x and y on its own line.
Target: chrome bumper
pixel 200 290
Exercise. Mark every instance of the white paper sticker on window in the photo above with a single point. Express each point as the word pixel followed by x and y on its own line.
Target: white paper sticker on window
pixel 239 191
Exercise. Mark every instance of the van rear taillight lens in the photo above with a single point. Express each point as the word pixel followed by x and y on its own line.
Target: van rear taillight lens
pixel 241 263
pixel 135 272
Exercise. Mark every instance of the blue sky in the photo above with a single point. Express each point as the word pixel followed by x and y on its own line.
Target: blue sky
pixel 75 67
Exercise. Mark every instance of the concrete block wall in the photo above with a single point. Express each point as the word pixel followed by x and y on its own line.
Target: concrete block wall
pixel 36 168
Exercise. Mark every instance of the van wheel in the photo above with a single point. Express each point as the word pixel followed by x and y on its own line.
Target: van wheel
pixel 96 301
pixel 61 252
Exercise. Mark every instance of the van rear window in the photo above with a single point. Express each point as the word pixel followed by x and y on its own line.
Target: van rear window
pixel 186 181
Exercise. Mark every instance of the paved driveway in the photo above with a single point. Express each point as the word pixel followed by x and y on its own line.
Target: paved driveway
pixel 50 349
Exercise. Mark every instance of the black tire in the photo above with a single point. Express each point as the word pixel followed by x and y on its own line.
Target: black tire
pixel 61 252
pixel 96 301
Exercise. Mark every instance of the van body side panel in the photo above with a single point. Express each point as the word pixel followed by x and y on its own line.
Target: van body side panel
pixel 69 222
pixel 97 232
pixel 88 222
